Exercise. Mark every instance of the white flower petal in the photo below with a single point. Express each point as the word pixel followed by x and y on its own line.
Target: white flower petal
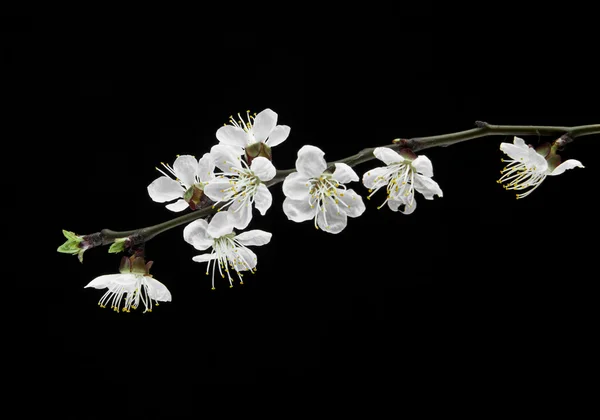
pixel 263 168
pixel 246 259
pixel 179 205
pixel 344 173
pixel 296 186
pixel 226 157
pixel 427 186
pixel 387 155
pixel 423 165
pixel 536 160
pixel 298 210
pixel 157 290
pixel 105 281
pixel 567 164
pixel 196 234
pixel 220 225
pixel 206 168
pixel 165 189
pixel 371 177
pixel 354 203
pixel 310 162
pixel 520 143
pixel 517 151
pixel 217 190
pixel 407 209
pixel 240 214
pixel 204 258
pixel 185 168
pixel 263 199
pixel 254 237
pixel 233 136
pixel 331 220
pixel 278 135
pixel 264 123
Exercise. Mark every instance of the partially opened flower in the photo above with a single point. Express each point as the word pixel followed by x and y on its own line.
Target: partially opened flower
pixel 132 287
pixel 229 250
pixel 403 175
pixel 191 176
pixel 258 130
pixel 527 167
pixel 316 193
pixel 239 186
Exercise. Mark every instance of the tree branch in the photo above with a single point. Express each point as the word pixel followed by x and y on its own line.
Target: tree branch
pixel 566 135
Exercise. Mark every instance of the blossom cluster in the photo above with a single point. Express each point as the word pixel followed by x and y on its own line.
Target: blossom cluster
pixel 233 178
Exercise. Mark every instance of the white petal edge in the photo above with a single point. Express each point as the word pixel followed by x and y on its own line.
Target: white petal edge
pixel 355 204
pixel 296 186
pixel 263 168
pixel 567 164
pixel 232 136
pixel 254 238
pixel 344 173
pixel 278 135
pixel 263 199
pixel 427 186
pixel 240 214
pixel 226 157
pixel 196 234
pixel 157 290
pixel 423 165
pixel 206 168
pixel 185 168
pixel 179 205
pixel 104 281
pixel 165 189
pixel 370 178
pixel 387 155
pixel 220 225
pixel 204 258
pixel 311 162
pixel 264 123
pixel 298 210
pixel 331 220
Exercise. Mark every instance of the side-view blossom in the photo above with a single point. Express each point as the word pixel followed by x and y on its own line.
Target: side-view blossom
pixel 314 192
pixel 403 175
pixel 134 285
pixel 229 250
pixel 527 167
pixel 191 176
pixel 261 129
pixel 239 186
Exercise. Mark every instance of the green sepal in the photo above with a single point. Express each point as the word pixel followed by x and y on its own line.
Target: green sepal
pixel 72 244
pixel 258 149
pixel 543 149
pixel 553 161
pixel 407 154
pixel 118 245
pixel 138 265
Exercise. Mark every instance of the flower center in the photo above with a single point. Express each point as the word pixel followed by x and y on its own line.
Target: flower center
pixel 226 255
pixel 325 190
pixel 116 292
pixel 399 179
pixel 519 175
pixel 244 184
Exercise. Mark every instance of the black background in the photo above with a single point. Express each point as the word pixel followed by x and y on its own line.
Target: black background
pixel 474 291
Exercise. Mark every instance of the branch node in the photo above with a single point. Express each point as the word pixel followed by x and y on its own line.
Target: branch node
pixel 563 140
pixel 481 124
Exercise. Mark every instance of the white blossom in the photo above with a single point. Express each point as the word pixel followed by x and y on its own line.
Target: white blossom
pixel 229 250
pixel 402 177
pixel 261 128
pixel 239 186
pixel 131 288
pixel 315 193
pixel 527 169
pixel 188 172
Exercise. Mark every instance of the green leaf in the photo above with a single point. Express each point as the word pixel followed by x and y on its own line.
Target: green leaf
pixel 117 246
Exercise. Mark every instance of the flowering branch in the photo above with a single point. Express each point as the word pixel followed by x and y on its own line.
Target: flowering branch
pixel 483 129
